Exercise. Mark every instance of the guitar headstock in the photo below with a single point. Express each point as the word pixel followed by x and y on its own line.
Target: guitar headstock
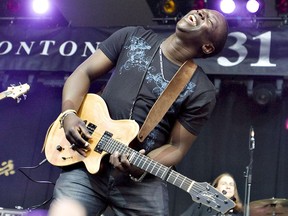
pixel 209 196
pixel 16 91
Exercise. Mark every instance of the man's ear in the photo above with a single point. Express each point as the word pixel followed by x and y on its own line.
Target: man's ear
pixel 208 48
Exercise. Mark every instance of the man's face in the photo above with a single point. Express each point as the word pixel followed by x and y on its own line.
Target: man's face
pixel 199 27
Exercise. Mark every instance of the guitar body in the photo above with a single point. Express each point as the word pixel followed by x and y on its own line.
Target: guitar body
pixel 94 111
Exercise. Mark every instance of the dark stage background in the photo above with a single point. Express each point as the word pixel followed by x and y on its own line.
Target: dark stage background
pixel 223 145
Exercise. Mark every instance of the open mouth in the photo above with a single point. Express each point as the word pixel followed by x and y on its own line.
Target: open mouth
pixel 192 19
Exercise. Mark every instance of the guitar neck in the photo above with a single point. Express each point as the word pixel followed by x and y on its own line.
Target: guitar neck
pixel 145 163
pixel 200 192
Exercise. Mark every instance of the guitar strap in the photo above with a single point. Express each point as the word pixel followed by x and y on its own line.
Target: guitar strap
pixel 167 97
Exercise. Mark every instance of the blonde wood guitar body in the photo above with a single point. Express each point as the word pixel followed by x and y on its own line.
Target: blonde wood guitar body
pixel 95 113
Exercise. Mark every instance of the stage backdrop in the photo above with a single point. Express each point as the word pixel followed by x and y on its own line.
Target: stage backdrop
pixel 249 51
pixel 43 58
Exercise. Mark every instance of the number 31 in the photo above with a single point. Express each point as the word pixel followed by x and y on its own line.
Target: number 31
pixel 238 47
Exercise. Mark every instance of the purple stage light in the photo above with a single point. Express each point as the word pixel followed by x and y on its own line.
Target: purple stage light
pixel 252 6
pixel 40 6
pixel 227 6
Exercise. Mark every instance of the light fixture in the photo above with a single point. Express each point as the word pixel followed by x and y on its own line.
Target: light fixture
pixel 31 13
pixel 282 6
pixel 169 7
pixel 169 11
pixel 199 4
pixel 12 6
pixel 227 6
pixel 264 92
pixel 252 6
pixel 40 6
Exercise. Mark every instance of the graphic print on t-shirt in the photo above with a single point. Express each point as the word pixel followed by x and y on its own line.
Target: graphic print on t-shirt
pixel 138 59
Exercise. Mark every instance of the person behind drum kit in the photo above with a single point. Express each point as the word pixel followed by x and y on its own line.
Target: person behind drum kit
pixel 226 184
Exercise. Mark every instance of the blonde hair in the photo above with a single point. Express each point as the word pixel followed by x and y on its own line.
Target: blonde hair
pixel 237 200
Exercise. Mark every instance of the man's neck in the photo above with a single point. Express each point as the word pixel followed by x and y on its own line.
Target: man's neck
pixel 175 50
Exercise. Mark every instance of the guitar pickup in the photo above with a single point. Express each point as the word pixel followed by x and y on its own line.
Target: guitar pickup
pixel 104 140
pixel 91 128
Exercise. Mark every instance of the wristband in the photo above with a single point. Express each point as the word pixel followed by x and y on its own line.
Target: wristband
pixel 138 179
pixel 64 114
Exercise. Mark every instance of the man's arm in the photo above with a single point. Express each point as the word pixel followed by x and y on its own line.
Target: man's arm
pixel 172 153
pixel 75 89
pixel 168 155
pixel 77 85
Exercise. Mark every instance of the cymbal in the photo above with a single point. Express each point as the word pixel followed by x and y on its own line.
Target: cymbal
pixel 273 207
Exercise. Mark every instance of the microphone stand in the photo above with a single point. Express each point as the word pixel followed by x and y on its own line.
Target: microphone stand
pixel 248 174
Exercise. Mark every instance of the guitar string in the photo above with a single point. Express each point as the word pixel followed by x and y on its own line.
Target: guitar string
pixel 115 145
pixel 122 149
pixel 178 177
pixel 111 145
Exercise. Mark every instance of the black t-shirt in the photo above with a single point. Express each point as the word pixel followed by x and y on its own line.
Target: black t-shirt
pixel 137 81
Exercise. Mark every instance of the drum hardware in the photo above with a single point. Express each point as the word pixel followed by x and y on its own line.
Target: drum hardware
pixel 269 207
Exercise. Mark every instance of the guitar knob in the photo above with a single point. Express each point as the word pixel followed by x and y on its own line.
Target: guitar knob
pixel 59 148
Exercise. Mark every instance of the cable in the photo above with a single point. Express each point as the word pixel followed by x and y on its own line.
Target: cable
pixel 34 167
pixel 36 181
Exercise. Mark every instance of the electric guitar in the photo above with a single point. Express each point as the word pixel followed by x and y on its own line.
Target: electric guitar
pixel 15 92
pixel 109 136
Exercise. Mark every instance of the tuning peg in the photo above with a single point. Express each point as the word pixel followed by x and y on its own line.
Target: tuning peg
pixel 209 209
pixel 18 100
pixel 24 96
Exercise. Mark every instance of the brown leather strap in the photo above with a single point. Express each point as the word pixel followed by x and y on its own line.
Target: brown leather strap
pixel 166 99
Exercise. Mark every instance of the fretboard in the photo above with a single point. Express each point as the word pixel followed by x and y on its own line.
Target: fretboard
pixel 141 161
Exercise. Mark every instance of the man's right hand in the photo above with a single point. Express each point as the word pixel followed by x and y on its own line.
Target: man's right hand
pixel 77 133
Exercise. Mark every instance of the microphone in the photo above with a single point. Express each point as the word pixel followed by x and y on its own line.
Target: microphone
pixel 224 192
pixel 252 139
